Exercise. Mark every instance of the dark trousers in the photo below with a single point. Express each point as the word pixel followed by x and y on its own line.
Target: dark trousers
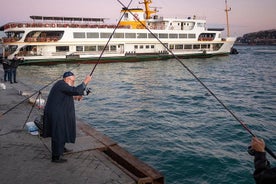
pixel 7 75
pixel 13 75
pixel 57 148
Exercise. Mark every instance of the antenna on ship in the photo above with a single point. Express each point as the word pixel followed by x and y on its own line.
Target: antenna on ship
pixel 227 19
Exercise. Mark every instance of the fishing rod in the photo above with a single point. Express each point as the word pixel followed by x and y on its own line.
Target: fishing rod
pixel 192 73
pixel 110 37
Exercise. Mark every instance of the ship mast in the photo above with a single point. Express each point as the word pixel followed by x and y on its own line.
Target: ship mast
pixel 147 8
pixel 227 20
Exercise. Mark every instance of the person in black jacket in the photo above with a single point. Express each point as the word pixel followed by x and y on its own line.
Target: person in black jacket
pixel 14 64
pixel 7 69
pixel 59 120
pixel 263 173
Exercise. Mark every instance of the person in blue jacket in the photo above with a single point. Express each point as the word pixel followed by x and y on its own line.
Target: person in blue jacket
pixel 59 120
pixel 264 173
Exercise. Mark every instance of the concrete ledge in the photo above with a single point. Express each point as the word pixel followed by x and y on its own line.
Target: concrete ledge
pixel 135 168
pixel 140 172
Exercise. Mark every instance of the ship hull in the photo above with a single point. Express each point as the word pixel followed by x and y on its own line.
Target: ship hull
pixel 115 59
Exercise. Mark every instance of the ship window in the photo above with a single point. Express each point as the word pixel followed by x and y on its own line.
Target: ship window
pixel 187 46
pixel 152 46
pixel 130 35
pixel 90 48
pixel 163 35
pixel 118 35
pixel 191 35
pixel 171 47
pixel 101 47
pixel 173 35
pixel 141 35
pixel 178 46
pixel 79 48
pixel 135 46
pixel 10 49
pixel 197 46
pixel 217 46
pixel 42 36
pixel 203 46
pixel 183 36
pixel 200 24
pixel 151 36
pixel 147 46
pixel 15 34
pixel 62 48
pixel 126 16
pixel 105 35
pixel 79 35
pixel 93 35
pixel 112 47
pixel 141 46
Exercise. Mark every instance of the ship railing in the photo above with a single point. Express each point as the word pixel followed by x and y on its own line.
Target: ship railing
pixel 60 25
pixel 206 39
pixel 10 39
pixel 42 39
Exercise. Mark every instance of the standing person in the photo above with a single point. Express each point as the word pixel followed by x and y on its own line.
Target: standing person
pixel 7 69
pixel 14 64
pixel 263 173
pixel 59 120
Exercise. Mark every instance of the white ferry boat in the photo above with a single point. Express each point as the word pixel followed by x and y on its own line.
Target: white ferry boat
pixel 54 40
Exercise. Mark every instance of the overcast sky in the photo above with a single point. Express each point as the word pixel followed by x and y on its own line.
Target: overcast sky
pixel 245 15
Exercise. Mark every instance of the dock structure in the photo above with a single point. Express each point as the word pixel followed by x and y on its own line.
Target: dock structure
pixel 95 159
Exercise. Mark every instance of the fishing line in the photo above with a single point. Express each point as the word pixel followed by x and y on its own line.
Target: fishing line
pixel 192 73
pixel 71 70
pixel 110 37
pixel 47 85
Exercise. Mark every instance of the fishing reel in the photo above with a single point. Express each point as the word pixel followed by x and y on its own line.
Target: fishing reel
pixel 251 151
pixel 87 91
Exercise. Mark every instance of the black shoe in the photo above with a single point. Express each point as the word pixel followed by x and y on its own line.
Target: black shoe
pixel 67 150
pixel 15 82
pixel 58 159
pixel 11 82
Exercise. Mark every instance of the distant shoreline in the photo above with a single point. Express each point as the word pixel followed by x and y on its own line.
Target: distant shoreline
pixel 253 45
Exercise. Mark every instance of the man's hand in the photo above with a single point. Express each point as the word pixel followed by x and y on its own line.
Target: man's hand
pixel 87 79
pixel 258 144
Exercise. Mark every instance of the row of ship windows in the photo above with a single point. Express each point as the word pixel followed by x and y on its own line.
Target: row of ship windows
pixel 131 35
pixel 114 47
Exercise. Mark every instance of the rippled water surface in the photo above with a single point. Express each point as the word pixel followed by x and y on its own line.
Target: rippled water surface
pixel 161 114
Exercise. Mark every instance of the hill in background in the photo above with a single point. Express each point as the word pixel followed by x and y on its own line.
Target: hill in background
pixel 266 37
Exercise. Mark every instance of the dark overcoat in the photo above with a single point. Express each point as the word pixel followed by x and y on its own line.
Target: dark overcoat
pixel 59 120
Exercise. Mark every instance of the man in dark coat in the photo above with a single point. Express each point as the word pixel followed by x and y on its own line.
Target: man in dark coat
pixel 59 120
pixel 264 173
pixel 14 64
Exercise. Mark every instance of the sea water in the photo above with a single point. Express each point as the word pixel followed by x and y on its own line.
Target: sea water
pixel 158 111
